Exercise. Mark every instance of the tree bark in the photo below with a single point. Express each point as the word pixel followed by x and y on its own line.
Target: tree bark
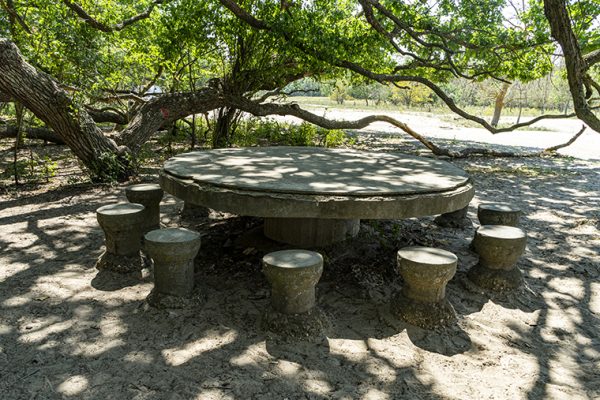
pixel 11 131
pixel 577 67
pixel 221 136
pixel 499 104
pixel 41 94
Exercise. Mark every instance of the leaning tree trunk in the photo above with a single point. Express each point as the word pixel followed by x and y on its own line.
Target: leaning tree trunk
pixel 577 66
pixel 41 94
pixel 499 104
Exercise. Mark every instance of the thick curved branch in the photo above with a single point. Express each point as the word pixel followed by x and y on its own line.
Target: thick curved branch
pixel 164 109
pixel 265 109
pixel 108 114
pixel 94 23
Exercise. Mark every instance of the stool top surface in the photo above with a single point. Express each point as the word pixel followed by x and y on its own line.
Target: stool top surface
pixel 427 255
pixel 172 235
pixel 500 207
pixel 144 187
pixel 120 209
pixel 501 232
pixel 293 259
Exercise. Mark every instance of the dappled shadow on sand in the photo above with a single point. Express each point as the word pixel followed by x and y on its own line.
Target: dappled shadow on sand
pixel 66 330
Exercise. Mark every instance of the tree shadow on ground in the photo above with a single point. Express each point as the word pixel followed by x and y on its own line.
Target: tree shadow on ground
pixel 61 335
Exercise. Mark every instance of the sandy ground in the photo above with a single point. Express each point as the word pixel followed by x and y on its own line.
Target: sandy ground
pixel 69 331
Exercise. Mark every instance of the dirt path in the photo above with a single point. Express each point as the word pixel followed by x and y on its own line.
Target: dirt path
pixel 68 331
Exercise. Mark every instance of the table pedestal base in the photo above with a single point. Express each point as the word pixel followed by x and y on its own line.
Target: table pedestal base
pixel 310 232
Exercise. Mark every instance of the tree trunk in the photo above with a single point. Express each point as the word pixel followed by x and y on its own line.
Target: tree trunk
pixel 577 67
pixel 221 136
pixel 499 104
pixel 43 96
pixel 49 102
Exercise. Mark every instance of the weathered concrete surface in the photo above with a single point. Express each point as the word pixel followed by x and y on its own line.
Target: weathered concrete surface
pixel 149 195
pixel 499 248
pixel 345 185
pixel 173 251
pixel 310 232
pixel 312 325
pixel 122 224
pixel 454 219
pixel 425 271
pixel 498 214
pixel 293 275
pixel 313 170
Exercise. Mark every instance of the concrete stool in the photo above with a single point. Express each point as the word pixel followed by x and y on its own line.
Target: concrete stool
pixel 498 214
pixel 122 226
pixel 422 301
pixel 173 251
pixel 149 195
pixel 454 219
pixel 499 247
pixel 293 275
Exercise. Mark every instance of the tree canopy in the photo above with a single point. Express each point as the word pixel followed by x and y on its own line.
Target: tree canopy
pixel 145 64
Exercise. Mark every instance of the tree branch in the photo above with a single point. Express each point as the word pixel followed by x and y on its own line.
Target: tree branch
pixel 94 23
pixel 9 6
pixel 382 78
pixel 107 114
pixel 568 143
pixel 11 131
pixel 264 109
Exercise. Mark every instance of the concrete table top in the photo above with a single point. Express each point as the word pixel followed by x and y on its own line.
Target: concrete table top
pixel 313 182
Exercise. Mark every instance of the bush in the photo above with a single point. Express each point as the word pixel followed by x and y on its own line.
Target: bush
pixel 251 132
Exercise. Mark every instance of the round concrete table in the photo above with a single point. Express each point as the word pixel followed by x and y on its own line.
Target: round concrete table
pixel 311 196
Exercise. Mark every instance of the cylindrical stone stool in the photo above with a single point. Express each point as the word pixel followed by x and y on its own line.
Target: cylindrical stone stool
pixel 149 195
pixel 122 224
pixel 499 247
pixel 498 214
pixel 173 251
pixel 293 275
pixel 422 301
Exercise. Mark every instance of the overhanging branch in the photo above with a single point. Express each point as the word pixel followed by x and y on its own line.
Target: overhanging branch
pixel 245 16
pixel 94 23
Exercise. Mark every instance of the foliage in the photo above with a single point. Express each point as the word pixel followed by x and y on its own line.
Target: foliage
pixel 257 131
pixel 32 169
